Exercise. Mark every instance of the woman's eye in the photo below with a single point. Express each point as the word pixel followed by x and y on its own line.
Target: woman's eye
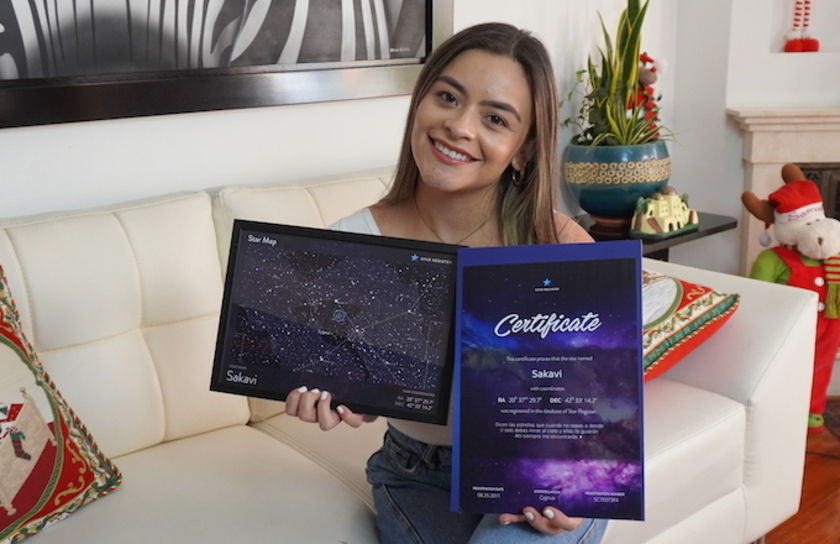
pixel 447 97
pixel 497 120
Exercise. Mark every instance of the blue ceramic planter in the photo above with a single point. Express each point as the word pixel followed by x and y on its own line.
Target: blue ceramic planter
pixel 608 180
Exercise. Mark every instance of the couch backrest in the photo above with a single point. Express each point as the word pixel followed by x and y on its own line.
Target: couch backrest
pixel 122 303
pixel 122 306
pixel 316 202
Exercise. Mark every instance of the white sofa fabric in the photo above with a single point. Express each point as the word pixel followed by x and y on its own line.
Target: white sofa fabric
pixel 122 305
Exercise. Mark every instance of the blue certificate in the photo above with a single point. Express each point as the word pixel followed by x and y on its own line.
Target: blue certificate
pixel 548 380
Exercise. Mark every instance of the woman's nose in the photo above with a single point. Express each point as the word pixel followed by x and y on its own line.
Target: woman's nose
pixel 461 125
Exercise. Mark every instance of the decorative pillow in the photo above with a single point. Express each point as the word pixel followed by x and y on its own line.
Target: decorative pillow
pixel 49 464
pixel 678 317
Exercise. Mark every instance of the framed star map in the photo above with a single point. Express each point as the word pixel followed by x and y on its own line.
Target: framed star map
pixel 104 59
pixel 367 318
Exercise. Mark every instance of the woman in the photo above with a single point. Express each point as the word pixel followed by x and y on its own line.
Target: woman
pixel 478 167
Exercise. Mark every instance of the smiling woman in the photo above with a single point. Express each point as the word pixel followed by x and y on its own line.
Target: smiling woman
pixel 478 166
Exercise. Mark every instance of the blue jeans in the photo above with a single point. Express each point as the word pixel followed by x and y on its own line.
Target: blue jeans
pixel 411 485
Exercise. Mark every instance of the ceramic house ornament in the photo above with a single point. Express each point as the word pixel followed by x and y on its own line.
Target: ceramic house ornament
pixel 664 213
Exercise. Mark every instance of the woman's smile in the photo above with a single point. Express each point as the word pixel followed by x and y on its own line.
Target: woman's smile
pixel 451 153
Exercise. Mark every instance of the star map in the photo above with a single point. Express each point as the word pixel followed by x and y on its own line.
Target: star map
pixel 354 313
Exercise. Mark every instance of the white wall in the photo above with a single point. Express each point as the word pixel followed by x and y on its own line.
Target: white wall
pixel 718 54
pixel 698 155
pixel 87 164
pixel 762 75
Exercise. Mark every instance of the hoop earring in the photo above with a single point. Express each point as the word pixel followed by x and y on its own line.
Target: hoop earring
pixel 517 177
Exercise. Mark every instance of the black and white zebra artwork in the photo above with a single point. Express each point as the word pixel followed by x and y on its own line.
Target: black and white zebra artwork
pixel 57 38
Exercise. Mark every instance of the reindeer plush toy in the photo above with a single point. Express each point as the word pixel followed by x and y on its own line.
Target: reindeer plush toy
pixel 808 256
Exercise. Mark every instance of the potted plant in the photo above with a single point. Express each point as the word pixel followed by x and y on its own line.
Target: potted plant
pixel 618 153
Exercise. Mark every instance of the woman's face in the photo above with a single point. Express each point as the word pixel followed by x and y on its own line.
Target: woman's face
pixel 472 123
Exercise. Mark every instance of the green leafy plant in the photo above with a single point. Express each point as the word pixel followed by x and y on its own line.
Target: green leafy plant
pixel 616 109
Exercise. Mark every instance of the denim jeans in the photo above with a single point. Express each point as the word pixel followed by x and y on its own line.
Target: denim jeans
pixel 411 484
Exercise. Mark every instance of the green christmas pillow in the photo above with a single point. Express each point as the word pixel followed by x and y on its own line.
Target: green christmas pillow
pixel 49 464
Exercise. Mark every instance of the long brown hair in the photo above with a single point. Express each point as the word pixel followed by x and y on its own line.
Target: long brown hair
pixel 525 207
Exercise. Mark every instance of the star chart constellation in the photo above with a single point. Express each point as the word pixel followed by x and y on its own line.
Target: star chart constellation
pixel 358 318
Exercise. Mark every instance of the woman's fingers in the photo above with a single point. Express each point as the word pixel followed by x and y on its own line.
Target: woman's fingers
pixel 550 521
pixel 326 417
pixel 301 403
pixel 349 417
pixel 293 400
pixel 314 407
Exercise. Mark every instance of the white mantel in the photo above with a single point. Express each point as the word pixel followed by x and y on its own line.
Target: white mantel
pixel 772 138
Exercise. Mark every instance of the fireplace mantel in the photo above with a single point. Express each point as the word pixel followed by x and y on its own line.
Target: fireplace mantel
pixel 772 138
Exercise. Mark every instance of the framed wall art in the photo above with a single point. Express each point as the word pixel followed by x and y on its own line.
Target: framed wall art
pixel 78 60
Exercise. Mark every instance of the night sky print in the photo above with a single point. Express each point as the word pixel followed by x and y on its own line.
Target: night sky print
pixel 371 324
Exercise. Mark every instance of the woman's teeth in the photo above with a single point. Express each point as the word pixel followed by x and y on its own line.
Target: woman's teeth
pixel 452 154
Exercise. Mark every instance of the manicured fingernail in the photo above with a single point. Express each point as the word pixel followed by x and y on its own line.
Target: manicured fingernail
pixel 548 513
pixel 316 390
pixel 340 410
pixel 302 389
pixel 530 516
pixel 324 395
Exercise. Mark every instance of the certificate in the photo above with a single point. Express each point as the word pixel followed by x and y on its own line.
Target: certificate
pixel 548 380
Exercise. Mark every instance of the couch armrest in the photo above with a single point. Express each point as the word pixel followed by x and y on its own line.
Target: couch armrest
pixel 762 358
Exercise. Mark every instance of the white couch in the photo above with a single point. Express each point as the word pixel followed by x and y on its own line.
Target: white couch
pixel 122 305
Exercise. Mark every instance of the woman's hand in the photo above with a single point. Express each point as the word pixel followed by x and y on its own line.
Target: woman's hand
pixel 550 521
pixel 314 407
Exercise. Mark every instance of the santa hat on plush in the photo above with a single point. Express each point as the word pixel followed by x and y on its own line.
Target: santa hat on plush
pixel 797 200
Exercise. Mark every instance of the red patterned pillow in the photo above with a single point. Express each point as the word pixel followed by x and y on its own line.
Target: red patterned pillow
pixel 49 464
pixel 678 317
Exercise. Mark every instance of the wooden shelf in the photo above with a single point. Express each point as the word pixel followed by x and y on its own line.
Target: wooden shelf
pixel 658 248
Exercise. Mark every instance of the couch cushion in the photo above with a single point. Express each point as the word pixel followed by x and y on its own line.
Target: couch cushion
pixel 232 485
pixel 50 465
pixel 342 451
pixel 127 319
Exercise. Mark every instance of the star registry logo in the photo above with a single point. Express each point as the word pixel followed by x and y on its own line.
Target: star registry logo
pixel 546 286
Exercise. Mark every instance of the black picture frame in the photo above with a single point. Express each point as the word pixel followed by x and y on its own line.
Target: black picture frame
pixel 368 318
pixel 50 100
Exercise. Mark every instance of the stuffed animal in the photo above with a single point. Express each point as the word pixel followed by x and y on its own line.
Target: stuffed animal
pixel 808 256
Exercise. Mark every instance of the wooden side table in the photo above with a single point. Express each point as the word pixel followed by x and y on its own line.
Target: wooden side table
pixel 658 248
